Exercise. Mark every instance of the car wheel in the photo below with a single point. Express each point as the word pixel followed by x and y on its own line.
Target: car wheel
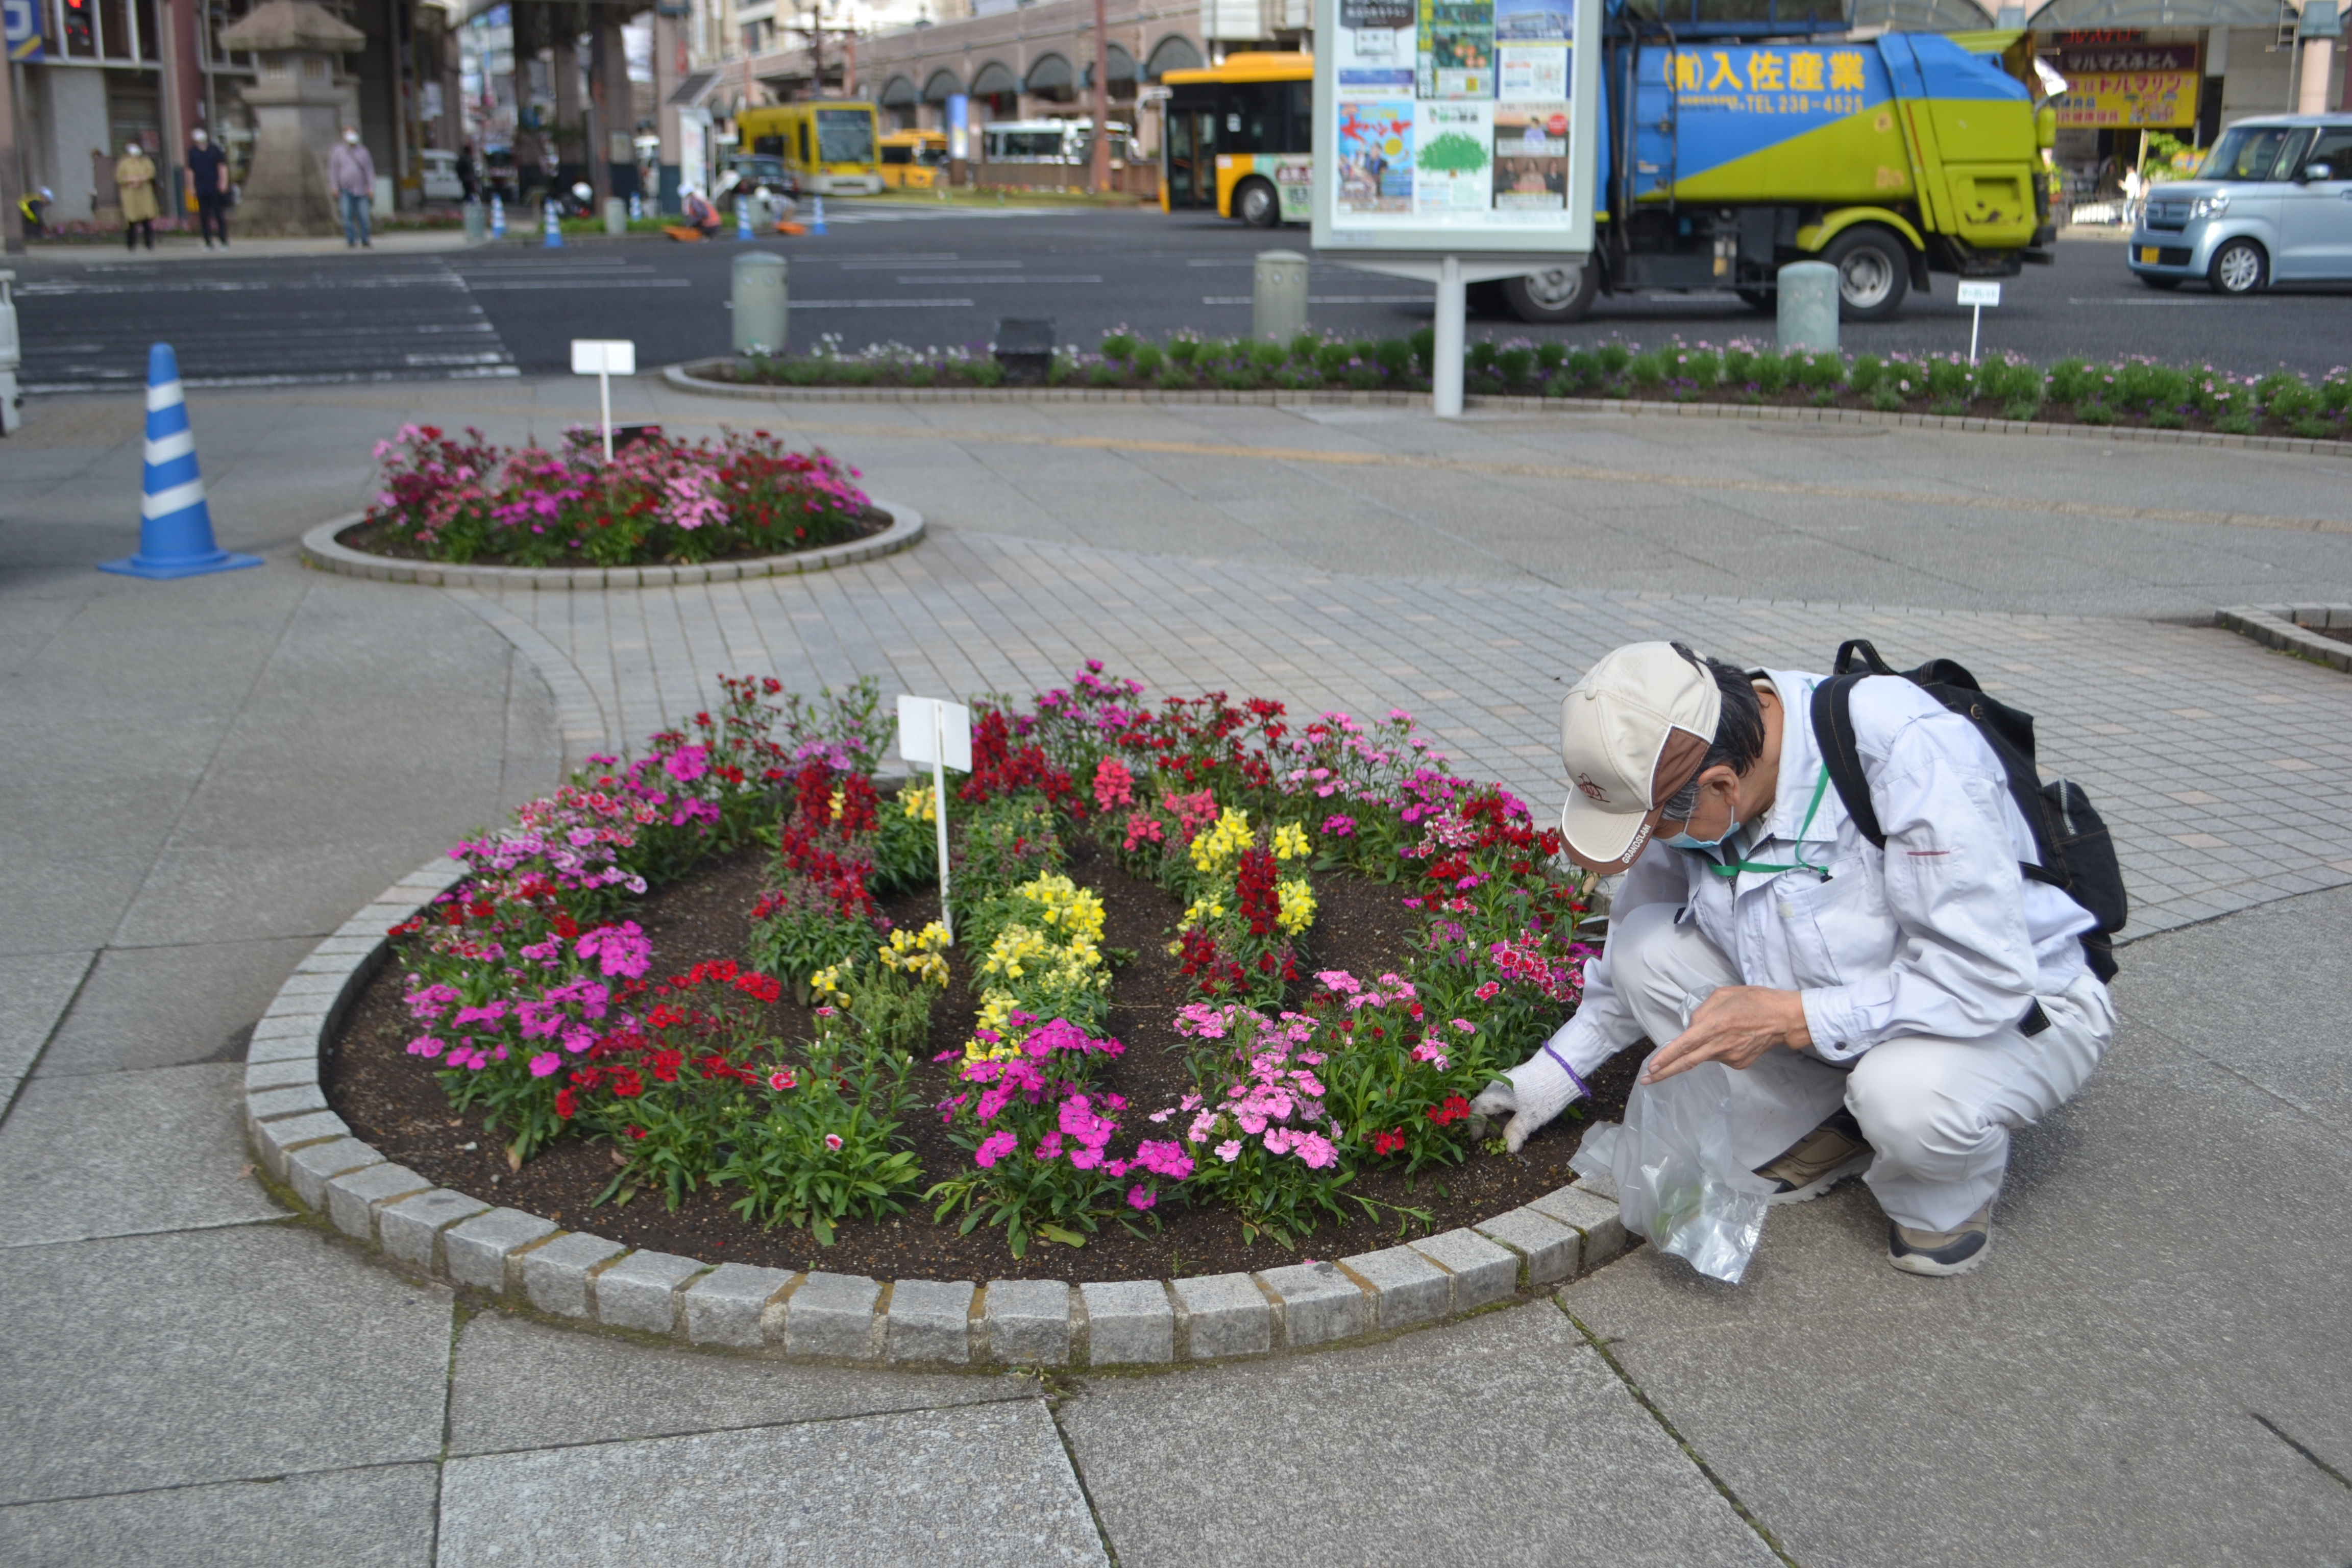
pixel 2239 268
pixel 2161 285
pixel 1555 294
pixel 1873 273
pixel 1257 204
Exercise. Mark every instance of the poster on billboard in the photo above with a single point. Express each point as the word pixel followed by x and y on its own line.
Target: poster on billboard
pixel 2125 84
pixel 1456 126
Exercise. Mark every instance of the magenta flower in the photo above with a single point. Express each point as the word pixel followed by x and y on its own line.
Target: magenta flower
pixel 688 764
pixel 994 1148
pixel 545 1063
pixel 833 1141
pixel 1140 1197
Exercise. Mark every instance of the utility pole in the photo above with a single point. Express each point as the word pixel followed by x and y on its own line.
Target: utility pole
pixel 1099 180
pixel 817 48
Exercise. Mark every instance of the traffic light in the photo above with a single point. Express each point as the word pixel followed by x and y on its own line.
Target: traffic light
pixel 80 32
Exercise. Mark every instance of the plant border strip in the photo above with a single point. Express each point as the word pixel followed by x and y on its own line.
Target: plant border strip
pixel 319 550
pixel 2281 627
pixel 682 377
pixel 527 1262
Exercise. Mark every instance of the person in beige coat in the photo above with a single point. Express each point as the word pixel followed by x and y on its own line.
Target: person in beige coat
pixel 134 178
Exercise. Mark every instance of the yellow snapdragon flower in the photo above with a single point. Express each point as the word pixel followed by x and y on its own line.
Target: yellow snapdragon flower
pixel 995 1008
pixel 1297 900
pixel 917 801
pixel 1203 911
pixel 1076 911
pixel 1289 842
pixel 1015 945
pixel 917 954
pixel 1221 845
pixel 826 982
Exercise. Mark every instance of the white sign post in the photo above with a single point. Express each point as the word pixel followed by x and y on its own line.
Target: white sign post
pixel 939 732
pixel 604 358
pixel 1456 142
pixel 1978 295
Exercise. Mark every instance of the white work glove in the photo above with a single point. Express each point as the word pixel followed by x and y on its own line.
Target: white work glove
pixel 1531 1094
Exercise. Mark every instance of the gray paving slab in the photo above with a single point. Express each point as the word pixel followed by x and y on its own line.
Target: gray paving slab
pixel 1455 1444
pixel 520 1385
pixel 380 1516
pixel 160 1007
pixel 168 1360
pixel 36 988
pixel 128 1154
pixel 2168 1265
pixel 978 1485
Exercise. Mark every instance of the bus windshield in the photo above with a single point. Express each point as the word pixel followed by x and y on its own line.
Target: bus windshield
pixel 844 136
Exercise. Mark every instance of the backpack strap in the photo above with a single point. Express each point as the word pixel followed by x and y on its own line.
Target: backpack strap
pixel 1834 732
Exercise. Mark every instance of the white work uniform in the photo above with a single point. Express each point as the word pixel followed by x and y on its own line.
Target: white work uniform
pixel 1917 964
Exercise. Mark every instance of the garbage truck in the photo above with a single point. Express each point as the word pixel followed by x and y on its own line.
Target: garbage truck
pixel 1724 157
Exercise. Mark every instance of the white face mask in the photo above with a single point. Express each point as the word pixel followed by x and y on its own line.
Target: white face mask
pixel 132 151
pixel 198 138
pixel 351 137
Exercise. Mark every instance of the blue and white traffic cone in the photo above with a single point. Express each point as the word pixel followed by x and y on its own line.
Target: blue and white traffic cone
pixel 636 206
pixel 743 215
pixel 175 526
pixel 817 225
pixel 497 218
pixel 555 227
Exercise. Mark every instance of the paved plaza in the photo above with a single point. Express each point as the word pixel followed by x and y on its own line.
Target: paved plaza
pixel 207 776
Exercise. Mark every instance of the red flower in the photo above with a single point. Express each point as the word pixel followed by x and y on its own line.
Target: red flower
pixel 1455 1109
pixel 634 1131
pixel 566 1103
pixel 1388 1142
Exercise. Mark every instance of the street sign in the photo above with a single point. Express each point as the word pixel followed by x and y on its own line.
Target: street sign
pixel 23 18
pixel 1977 296
pixel 937 733
pixel 604 358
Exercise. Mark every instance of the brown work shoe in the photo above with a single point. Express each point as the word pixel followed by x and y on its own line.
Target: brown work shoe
pixel 1942 1253
pixel 1819 1160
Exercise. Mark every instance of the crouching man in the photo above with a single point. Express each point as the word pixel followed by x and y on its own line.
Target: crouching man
pixel 1891 1013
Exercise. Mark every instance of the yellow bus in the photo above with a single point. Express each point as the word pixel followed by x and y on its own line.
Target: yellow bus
pixel 829 147
pixel 911 160
pixel 1240 138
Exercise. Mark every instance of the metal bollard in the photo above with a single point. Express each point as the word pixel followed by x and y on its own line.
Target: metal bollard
pixel 763 303
pixel 12 402
pixel 476 224
pixel 1809 306
pixel 617 216
pixel 1279 306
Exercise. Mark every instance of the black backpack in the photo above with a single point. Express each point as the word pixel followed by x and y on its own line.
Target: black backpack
pixel 2077 857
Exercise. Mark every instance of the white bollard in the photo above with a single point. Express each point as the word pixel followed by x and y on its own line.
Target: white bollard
pixel 498 217
pixel 12 402
pixel 1279 306
pixel 1450 329
pixel 1808 304
pixel 762 296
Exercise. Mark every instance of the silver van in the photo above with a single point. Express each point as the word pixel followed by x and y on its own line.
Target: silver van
pixel 2271 204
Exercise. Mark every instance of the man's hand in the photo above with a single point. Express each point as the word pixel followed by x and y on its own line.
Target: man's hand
pixel 1737 1024
pixel 1531 1094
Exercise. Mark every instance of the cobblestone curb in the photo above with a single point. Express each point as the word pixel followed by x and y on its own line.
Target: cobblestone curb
pixel 682 376
pixel 532 1263
pixel 2281 627
pixel 319 550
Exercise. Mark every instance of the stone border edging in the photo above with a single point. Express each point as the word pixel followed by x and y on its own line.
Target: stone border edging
pixel 319 550
pixel 812 1315
pixel 2281 627
pixel 682 377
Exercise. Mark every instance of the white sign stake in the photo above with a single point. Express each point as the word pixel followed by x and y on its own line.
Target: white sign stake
pixel 604 358
pixel 938 733
pixel 1979 295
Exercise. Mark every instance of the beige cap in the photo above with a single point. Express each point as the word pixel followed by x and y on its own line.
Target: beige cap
pixel 1632 733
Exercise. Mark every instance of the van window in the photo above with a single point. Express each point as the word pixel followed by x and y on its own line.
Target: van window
pixel 2253 152
pixel 772 145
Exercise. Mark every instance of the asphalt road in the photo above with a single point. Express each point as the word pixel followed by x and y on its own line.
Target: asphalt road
pixel 928 276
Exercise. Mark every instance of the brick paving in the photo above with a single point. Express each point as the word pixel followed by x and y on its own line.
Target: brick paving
pixel 2207 753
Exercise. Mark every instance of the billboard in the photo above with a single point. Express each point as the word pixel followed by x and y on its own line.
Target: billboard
pixel 2125 84
pixel 1458 127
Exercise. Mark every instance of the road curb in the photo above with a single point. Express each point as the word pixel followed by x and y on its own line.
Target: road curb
pixel 530 1263
pixel 319 550
pixel 2281 627
pixel 682 377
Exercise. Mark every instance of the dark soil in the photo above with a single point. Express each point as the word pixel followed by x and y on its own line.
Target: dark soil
pixel 2334 633
pixel 393 1101
pixel 389 539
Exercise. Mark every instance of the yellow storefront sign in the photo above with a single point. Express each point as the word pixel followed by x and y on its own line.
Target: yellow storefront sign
pixel 2130 100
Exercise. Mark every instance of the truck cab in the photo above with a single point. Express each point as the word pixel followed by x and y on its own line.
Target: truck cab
pixel 1726 156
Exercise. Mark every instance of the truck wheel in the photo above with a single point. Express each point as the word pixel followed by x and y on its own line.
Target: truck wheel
pixel 2239 268
pixel 1257 204
pixel 1873 273
pixel 1555 294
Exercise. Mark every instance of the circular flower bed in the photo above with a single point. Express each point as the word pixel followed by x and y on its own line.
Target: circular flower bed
pixel 658 501
pixel 1216 979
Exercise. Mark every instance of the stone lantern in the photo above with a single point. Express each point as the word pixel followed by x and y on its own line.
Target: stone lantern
pixel 296 109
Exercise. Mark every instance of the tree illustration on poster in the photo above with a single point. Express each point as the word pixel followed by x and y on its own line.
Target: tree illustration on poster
pixel 1455 141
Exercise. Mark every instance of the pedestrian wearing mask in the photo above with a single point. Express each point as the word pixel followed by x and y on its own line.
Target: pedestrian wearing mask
pixel 134 180
pixel 352 175
pixel 1892 1003
pixel 208 178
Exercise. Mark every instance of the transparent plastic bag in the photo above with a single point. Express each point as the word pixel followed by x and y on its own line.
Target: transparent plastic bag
pixel 1677 1178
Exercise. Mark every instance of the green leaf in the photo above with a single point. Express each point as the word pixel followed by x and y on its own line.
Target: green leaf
pixel 1058 1233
